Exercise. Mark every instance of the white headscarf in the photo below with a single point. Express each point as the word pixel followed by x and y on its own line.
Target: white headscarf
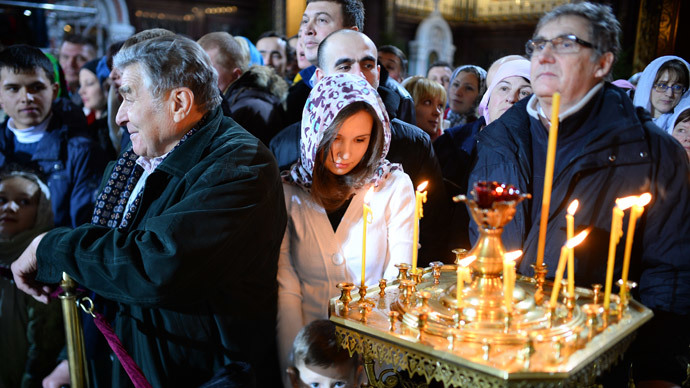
pixel 644 90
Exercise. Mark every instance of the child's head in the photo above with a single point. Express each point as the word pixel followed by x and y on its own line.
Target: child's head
pixel 23 203
pixel 318 360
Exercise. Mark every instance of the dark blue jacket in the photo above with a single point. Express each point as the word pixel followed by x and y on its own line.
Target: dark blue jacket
pixel 69 160
pixel 622 154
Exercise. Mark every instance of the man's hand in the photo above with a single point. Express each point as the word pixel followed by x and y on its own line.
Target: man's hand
pixel 24 270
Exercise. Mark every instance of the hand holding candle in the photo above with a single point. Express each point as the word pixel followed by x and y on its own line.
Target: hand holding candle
pixel 570 244
pixel 420 198
pixel 366 219
pixel 548 177
pixel 509 278
pixel 570 226
pixel 616 233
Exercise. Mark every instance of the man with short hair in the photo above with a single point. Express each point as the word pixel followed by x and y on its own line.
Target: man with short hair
pixel 441 73
pixel 606 149
pixel 47 135
pixel 189 221
pixel 394 60
pixel 274 50
pixel 254 95
pixel 75 51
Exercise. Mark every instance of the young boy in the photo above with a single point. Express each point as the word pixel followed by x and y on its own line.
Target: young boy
pixel 47 135
pixel 318 361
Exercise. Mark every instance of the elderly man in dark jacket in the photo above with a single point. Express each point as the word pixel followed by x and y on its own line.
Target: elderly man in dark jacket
pixel 606 150
pixel 186 231
pixel 349 51
pixel 46 135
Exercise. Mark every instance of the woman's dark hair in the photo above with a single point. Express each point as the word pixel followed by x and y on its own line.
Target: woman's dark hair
pixel 333 190
pixel 676 69
pixel 682 117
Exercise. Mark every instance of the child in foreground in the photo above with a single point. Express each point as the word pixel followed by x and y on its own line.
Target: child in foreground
pixel 318 360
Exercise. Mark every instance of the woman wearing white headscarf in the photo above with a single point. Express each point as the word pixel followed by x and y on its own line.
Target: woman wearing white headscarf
pixel 661 87
pixel 344 141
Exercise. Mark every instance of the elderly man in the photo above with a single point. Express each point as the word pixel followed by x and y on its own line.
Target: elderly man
pixel 186 231
pixel 606 150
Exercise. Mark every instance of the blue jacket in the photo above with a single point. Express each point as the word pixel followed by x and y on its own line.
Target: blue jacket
pixel 69 160
pixel 623 153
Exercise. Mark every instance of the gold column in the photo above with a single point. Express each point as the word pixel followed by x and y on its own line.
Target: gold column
pixel 74 336
pixel 657 25
pixel 293 15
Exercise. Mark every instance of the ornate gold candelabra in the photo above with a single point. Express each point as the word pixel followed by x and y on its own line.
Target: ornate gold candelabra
pixel 480 341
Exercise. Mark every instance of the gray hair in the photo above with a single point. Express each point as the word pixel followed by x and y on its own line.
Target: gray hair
pixel 604 28
pixel 170 62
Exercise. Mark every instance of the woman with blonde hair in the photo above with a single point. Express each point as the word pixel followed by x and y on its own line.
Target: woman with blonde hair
pixel 429 102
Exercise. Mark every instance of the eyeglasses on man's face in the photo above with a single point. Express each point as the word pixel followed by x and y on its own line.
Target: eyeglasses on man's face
pixel 563 44
pixel 662 88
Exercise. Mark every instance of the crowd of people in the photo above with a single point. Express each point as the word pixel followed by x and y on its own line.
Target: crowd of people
pixel 209 193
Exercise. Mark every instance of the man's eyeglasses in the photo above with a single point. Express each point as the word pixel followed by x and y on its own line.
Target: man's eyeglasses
pixel 564 44
pixel 677 89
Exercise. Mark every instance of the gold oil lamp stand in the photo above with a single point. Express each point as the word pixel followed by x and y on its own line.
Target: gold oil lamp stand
pixel 414 327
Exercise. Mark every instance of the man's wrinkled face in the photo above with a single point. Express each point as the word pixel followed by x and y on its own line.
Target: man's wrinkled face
pixel 72 57
pixel 26 96
pixel 571 74
pixel 273 51
pixel 149 122
pixel 320 18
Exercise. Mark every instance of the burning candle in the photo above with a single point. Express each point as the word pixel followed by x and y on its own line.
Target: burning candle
pixel 509 277
pixel 548 177
pixel 366 219
pixel 420 198
pixel 570 244
pixel 463 277
pixel 570 227
pixel 635 213
pixel 616 233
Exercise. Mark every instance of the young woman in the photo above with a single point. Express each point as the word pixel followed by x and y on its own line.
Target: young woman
pixel 429 102
pixel 95 100
pixel 662 85
pixel 467 86
pixel 681 125
pixel 31 331
pixel 344 141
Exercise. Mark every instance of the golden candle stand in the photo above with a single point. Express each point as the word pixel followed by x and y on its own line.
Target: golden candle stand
pixel 415 324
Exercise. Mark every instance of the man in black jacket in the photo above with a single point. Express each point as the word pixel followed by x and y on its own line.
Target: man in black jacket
pixel 348 51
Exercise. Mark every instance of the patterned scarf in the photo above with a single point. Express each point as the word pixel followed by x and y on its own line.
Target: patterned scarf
pixel 328 97
pixel 112 201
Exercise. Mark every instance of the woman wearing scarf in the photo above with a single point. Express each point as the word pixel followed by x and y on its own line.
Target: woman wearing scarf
pixel 344 141
pixel 467 85
pixel 95 100
pixel 681 124
pixel 661 87
pixel 32 333
pixel 456 148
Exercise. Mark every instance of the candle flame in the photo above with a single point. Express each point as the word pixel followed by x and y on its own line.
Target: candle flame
pixel 572 208
pixel 466 261
pixel 512 256
pixel 624 203
pixel 575 241
pixel 367 196
pixel 422 186
pixel 644 199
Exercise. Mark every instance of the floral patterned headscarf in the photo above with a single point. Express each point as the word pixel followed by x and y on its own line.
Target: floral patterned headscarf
pixel 330 96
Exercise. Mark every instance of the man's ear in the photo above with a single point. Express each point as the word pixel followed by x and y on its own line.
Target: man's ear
pixel 604 64
pixel 319 74
pixel 56 89
pixel 354 28
pixel 182 102
pixel 236 73
pixel 293 375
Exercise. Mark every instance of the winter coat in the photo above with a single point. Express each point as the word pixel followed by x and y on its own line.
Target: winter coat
pixel 70 159
pixel 623 154
pixel 194 272
pixel 256 100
